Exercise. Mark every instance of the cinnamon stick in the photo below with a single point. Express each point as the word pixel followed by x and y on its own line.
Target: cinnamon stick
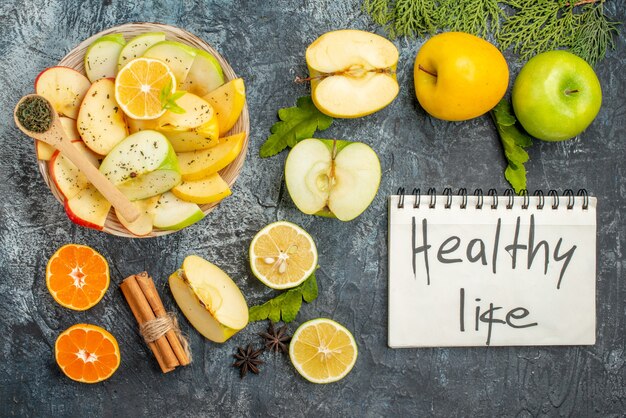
pixel 152 345
pixel 146 314
pixel 150 292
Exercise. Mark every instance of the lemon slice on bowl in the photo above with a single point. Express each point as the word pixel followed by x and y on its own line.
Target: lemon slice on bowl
pixel 141 85
pixel 323 351
pixel 282 255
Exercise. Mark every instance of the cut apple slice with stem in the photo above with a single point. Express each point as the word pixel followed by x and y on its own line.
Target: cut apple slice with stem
pixel 137 46
pixel 101 122
pixel 205 74
pixel 209 299
pixel 228 102
pixel 210 189
pixel 143 225
pixel 171 213
pixel 178 57
pixel 64 88
pixel 101 56
pixel 352 73
pixel 332 177
pixel 142 165
pixel 88 208
pixel 200 164
pixel 67 178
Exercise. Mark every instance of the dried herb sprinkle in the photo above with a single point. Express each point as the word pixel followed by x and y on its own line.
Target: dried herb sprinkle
pixel 34 114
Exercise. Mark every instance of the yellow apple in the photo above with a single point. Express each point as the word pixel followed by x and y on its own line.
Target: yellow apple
pixel 228 101
pixel 459 76
pixel 209 299
pixel 210 189
pixel 197 165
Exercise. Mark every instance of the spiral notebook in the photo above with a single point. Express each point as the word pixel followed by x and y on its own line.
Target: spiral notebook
pixel 489 270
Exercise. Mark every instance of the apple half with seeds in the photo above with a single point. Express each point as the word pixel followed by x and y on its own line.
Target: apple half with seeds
pixel 353 73
pixel 332 177
pixel 209 299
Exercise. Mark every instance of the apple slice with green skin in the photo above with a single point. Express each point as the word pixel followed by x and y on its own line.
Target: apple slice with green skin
pixel 228 102
pixel 137 46
pixel 197 165
pixel 88 208
pixel 332 178
pixel 68 179
pixel 143 225
pixel 179 57
pixel 171 213
pixel 45 151
pixel 101 122
pixel 210 189
pixel 205 74
pixel 209 299
pixel 353 73
pixel 101 56
pixel 142 165
pixel 64 88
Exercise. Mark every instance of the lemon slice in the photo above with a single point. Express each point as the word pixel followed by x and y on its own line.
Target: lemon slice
pixel 140 86
pixel 282 255
pixel 323 351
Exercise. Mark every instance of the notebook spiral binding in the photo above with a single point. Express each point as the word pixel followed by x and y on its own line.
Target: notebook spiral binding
pixel 492 195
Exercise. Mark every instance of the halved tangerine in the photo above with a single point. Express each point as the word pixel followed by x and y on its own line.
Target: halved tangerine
pixel 77 276
pixel 87 353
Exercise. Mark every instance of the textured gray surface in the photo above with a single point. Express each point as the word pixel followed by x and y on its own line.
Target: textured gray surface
pixel 265 43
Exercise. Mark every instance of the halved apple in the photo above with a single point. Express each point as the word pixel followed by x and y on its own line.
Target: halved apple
pixel 173 214
pixel 179 57
pixel 101 122
pixel 197 165
pixel 143 225
pixel 101 56
pixel 142 165
pixel 64 88
pixel 68 179
pixel 205 74
pixel 210 189
pixel 88 208
pixel 353 73
pixel 209 299
pixel 137 46
pixel 228 102
pixel 331 177
pixel 46 151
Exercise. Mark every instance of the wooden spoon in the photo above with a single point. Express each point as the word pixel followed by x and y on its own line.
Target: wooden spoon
pixel 56 137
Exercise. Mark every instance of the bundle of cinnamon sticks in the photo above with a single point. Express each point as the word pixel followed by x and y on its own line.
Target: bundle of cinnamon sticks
pixel 167 344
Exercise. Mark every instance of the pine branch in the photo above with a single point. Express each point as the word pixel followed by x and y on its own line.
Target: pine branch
pixel 478 17
pixel 594 35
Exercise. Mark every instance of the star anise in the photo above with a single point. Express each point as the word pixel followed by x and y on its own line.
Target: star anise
pixel 247 359
pixel 276 340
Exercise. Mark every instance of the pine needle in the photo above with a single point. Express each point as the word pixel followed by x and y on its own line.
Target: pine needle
pixel 478 17
pixel 594 35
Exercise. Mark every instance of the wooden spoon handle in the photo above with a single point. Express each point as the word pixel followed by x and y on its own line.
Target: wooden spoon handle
pixel 120 202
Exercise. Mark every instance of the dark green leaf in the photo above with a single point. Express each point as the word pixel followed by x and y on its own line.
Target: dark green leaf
pixel 309 289
pixel 296 123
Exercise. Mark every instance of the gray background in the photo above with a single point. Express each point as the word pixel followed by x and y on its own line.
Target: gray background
pixel 265 43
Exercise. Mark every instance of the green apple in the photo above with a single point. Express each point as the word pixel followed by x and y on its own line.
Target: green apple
pixel 101 122
pixel 353 73
pixel 173 214
pixel 204 76
pixel 332 177
pixel 179 57
pixel 101 56
pixel 137 46
pixel 209 299
pixel 556 96
pixel 142 165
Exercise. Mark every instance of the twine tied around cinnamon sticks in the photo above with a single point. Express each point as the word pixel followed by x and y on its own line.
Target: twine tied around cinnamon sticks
pixel 159 328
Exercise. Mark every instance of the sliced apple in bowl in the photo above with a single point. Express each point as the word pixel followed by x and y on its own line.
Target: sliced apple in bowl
pixel 88 208
pixel 209 299
pixel 204 76
pixel 228 102
pixel 101 56
pixel 172 213
pixel 332 177
pixel 64 88
pixel 197 165
pixel 142 165
pixel 67 178
pixel 137 46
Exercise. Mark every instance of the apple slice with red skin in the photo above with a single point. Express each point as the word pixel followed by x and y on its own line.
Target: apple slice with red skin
pixel 64 88
pixel 68 179
pixel 88 208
